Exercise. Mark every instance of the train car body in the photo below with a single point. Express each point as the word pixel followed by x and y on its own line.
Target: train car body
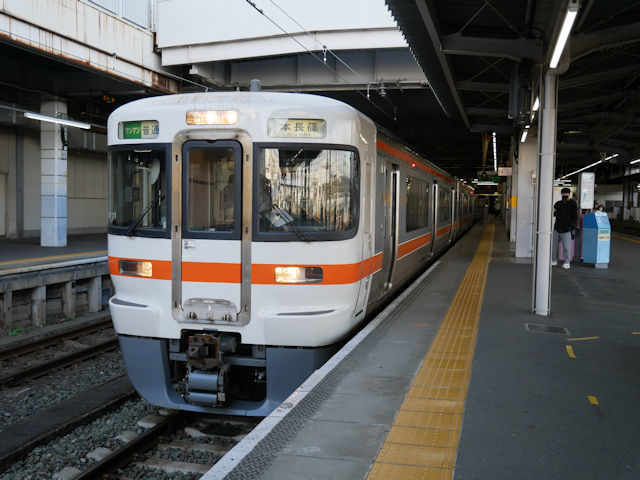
pixel 251 232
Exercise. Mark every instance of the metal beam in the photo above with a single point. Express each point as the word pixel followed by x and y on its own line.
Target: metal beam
pixel 618 36
pixel 488 127
pixel 482 86
pixel 514 49
pixel 600 76
pixel 446 70
pixel 588 102
pixel 487 112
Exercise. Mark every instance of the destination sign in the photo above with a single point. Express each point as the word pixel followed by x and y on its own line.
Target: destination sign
pixel 141 129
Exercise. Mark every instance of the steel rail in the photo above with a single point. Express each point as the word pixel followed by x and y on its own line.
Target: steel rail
pixel 42 369
pixel 50 340
pixel 123 456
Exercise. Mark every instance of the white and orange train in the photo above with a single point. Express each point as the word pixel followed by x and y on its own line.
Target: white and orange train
pixel 251 232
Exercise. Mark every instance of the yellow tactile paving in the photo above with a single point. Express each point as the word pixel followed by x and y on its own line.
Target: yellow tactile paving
pixel 423 436
pixel 387 471
pixel 445 421
pixel 423 441
pixel 416 455
pixel 432 405
pixel 437 393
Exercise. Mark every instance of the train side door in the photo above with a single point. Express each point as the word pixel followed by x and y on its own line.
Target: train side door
pixel 454 211
pixel 211 230
pixel 367 240
pixel 434 216
pixel 392 178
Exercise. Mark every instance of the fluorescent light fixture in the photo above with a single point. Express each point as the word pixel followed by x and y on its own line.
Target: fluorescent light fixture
pixel 581 170
pixel 611 156
pixel 61 121
pixel 634 161
pixel 487 183
pixel 536 105
pixel 569 17
pixel 495 152
pixel 525 132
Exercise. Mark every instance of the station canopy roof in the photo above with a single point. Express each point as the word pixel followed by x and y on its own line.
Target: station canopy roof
pixel 484 58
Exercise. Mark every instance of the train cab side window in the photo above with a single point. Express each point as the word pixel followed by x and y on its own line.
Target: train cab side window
pixel 417 203
pixel 138 191
pixel 211 190
pixel 444 205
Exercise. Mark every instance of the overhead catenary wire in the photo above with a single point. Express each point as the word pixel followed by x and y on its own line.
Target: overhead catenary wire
pixel 323 62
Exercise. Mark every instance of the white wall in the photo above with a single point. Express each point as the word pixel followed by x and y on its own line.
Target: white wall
pixel 31 187
pixel 8 169
pixel 86 193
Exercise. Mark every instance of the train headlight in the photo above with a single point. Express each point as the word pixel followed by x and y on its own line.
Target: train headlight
pixel 212 117
pixel 136 268
pixel 298 274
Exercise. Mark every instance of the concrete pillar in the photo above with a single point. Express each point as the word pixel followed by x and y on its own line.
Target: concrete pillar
pixel 527 161
pixel 95 294
pixel 68 300
pixel 544 212
pixel 53 161
pixel 5 312
pixel 39 305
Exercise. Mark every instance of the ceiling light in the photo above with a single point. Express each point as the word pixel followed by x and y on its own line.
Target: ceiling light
pixel 582 169
pixel 569 17
pixel 634 161
pixel 495 152
pixel 61 121
pixel 536 104
pixel 525 132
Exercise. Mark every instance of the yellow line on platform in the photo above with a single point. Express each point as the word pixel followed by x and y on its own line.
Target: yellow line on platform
pixel 53 257
pixel 635 333
pixel 625 238
pixel 423 441
pixel 570 351
pixel 580 339
pixel 593 400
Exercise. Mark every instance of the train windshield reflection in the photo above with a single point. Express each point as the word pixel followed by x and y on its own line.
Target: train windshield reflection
pixel 306 190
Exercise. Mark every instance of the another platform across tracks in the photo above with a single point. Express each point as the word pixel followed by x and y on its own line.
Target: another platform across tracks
pixel 40 285
pixel 456 377
pixel 21 254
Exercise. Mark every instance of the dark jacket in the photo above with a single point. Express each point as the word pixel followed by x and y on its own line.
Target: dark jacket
pixel 566 214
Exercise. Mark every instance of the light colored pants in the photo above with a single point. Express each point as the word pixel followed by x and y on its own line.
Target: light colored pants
pixel 565 238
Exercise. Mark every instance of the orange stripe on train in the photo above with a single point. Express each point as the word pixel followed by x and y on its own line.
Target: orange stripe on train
pixel 261 274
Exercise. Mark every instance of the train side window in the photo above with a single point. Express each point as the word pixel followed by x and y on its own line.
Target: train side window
pixel 417 215
pixel 444 205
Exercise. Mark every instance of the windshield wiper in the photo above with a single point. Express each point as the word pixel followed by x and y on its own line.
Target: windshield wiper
pixel 135 223
pixel 290 225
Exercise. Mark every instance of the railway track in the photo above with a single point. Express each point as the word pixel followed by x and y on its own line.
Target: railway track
pixel 180 432
pixel 51 340
pixel 56 361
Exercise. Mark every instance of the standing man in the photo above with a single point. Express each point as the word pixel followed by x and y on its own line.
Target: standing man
pixel 566 213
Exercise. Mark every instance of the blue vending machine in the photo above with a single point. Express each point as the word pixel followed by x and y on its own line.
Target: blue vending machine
pixel 596 239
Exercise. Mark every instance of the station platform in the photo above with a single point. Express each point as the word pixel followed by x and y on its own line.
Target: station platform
pixel 448 381
pixel 17 255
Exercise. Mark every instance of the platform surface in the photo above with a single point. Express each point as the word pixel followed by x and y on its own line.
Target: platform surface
pixel 27 252
pixel 538 404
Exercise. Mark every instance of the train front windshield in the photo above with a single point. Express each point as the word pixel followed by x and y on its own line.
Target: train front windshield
pixel 137 191
pixel 310 192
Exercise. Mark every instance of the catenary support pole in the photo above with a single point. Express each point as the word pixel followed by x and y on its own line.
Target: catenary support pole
pixel 544 217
